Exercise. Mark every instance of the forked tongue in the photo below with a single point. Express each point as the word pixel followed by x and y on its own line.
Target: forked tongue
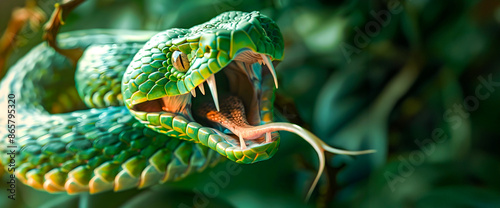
pixel 232 116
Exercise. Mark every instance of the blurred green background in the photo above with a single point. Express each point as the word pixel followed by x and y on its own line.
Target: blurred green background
pixel 418 81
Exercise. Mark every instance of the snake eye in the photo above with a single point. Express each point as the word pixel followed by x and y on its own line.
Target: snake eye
pixel 180 61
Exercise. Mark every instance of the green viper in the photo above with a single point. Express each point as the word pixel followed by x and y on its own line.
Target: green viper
pixel 144 107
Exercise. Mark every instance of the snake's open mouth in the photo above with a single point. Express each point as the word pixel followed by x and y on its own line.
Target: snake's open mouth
pixel 238 98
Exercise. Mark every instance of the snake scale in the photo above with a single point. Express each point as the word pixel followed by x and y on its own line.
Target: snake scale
pixel 145 107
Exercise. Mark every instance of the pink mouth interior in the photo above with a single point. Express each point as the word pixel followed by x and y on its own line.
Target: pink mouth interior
pixel 231 116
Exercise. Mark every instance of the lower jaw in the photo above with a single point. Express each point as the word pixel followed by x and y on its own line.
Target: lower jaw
pixel 180 127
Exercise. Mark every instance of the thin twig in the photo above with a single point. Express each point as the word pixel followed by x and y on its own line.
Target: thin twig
pixel 20 16
pixel 52 29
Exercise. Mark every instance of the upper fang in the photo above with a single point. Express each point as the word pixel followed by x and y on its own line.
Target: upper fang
pixel 270 66
pixel 213 89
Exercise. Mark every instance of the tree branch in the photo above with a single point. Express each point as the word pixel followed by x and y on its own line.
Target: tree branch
pixel 53 25
pixel 20 16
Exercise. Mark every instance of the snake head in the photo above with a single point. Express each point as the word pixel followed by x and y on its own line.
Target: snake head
pixel 233 56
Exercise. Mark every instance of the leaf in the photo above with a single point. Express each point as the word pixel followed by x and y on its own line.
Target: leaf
pixel 174 198
pixel 460 196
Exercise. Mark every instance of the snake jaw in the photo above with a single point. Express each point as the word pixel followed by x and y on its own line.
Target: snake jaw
pixel 233 55
pixel 249 77
pixel 248 80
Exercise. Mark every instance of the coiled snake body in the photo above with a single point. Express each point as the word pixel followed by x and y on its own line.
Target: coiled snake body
pixel 156 106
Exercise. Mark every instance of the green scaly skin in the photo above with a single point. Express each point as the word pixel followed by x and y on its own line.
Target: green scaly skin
pixel 110 146
pixel 210 47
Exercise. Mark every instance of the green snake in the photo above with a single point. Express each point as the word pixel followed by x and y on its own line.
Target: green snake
pixel 144 107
